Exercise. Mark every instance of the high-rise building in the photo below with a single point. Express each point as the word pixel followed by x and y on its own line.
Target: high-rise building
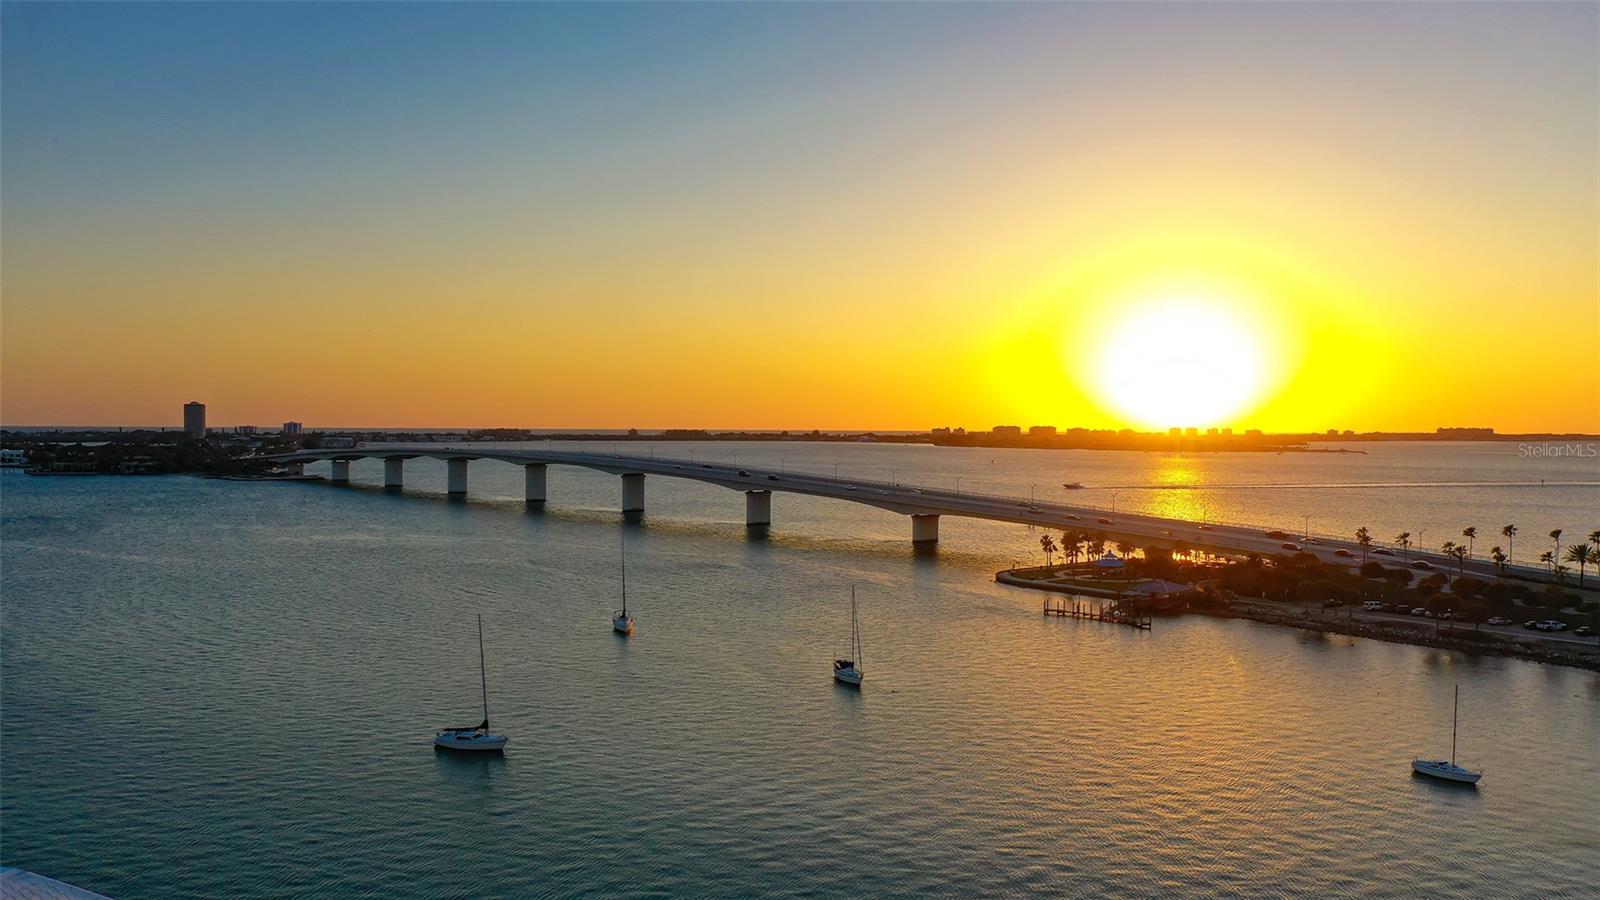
pixel 194 420
pixel 293 429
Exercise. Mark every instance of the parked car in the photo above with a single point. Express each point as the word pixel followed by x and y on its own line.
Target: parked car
pixel 1583 631
pixel 1499 620
pixel 1331 603
pixel 1372 605
pixel 1531 625
pixel 1422 564
pixel 1419 611
pixel 1344 553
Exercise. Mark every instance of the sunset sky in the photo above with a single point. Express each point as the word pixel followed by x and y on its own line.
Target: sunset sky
pixel 1281 216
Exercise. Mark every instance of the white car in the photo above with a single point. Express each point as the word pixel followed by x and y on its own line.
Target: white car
pixel 1499 620
pixel 1372 605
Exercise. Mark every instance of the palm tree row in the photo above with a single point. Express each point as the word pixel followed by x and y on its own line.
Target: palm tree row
pixel 1581 553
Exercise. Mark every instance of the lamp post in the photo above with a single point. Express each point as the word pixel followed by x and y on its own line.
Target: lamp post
pixel 1305 535
pixel 958 484
pixel 835 471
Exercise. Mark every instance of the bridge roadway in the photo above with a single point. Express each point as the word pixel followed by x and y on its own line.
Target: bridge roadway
pixel 924 505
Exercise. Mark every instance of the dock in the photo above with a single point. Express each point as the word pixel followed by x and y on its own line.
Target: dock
pixel 1116 611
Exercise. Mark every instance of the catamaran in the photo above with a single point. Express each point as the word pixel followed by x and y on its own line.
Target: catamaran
pixel 848 671
pixel 478 737
pixel 1448 770
pixel 621 622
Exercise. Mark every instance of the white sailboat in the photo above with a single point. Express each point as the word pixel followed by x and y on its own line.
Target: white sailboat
pixel 474 737
pixel 848 671
pixel 1448 770
pixel 621 622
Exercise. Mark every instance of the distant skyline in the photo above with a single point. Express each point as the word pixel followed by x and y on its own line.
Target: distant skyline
pixel 1374 216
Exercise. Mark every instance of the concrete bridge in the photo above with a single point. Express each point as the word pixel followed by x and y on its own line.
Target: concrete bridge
pixel 921 504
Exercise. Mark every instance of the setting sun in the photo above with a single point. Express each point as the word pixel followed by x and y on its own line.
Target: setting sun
pixel 1181 362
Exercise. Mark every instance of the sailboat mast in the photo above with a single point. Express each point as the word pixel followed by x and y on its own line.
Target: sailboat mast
pixel 624 576
pixel 855 630
pixel 1455 715
pixel 483 674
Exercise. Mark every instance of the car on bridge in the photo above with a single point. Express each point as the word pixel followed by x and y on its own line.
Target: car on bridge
pixel 1278 535
pixel 1103 521
pixel 1343 552
pixel 1422 564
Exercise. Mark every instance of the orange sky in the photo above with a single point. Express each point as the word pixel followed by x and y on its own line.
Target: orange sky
pixel 833 217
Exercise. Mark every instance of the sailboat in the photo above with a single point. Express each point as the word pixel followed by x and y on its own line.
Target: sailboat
pixel 1449 771
pixel 474 737
pixel 848 671
pixel 621 622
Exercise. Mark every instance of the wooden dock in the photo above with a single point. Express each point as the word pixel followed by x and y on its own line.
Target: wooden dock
pixel 1116 611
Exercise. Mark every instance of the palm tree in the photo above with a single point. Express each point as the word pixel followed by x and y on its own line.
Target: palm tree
pixel 1594 538
pixel 1404 540
pixel 1510 531
pixel 1499 557
pixel 1097 545
pixel 1047 543
pixel 1124 548
pixel 1461 555
pixel 1548 558
pixel 1069 546
pixel 1364 538
pixel 1582 555
pixel 1471 534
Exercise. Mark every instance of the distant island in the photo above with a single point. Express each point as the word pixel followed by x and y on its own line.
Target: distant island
pixel 236 452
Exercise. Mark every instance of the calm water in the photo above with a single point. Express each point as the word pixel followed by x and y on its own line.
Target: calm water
pixel 215 688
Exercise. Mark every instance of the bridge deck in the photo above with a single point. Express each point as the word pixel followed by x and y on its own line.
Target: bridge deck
pixel 917 500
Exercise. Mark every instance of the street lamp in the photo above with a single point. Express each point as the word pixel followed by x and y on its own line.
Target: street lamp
pixel 835 471
pixel 958 484
pixel 1306 535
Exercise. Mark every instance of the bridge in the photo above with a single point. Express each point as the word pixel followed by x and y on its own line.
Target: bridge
pixel 921 504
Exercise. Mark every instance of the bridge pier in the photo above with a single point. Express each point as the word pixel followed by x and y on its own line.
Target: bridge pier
pixel 456 477
pixel 925 529
pixel 394 473
pixel 757 509
pixel 341 471
pixel 633 495
pixel 533 483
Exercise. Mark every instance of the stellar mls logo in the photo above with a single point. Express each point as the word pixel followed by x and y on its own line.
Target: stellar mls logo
pixel 1551 449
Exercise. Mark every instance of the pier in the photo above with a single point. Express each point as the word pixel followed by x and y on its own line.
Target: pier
pixel 1117 611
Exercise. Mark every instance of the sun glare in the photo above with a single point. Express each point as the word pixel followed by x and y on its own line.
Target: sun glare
pixel 1181 362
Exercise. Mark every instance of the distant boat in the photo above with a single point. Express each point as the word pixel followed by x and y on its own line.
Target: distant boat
pixel 1073 485
pixel 1448 770
pixel 621 622
pixel 479 737
pixel 848 671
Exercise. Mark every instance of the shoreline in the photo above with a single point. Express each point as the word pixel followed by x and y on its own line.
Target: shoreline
pixel 1269 612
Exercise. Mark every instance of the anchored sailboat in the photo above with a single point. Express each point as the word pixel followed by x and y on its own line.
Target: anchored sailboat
pixel 848 671
pixel 621 622
pixel 1449 771
pixel 479 737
